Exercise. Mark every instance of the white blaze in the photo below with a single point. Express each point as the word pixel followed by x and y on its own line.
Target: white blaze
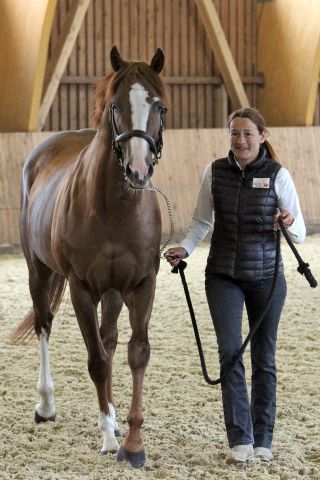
pixel 140 110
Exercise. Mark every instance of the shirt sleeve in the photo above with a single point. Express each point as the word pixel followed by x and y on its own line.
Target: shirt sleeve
pixel 203 216
pixel 288 200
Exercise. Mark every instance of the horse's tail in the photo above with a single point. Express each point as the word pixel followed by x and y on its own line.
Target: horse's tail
pixel 24 332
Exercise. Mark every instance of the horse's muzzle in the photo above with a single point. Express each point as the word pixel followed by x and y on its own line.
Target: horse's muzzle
pixel 138 179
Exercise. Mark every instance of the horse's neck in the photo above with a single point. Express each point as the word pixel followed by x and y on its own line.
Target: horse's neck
pixel 104 178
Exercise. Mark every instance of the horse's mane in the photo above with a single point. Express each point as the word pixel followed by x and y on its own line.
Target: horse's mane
pixel 130 73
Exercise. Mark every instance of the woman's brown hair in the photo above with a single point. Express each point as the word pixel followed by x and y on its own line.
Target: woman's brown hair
pixel 255 116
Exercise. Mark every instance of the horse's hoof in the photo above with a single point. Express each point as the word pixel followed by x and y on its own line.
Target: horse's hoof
pixel 136 459
pixel 105 452
pixel 39 419
pixel 117 433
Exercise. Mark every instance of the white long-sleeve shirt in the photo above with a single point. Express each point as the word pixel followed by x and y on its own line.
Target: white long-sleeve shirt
pixel 203 217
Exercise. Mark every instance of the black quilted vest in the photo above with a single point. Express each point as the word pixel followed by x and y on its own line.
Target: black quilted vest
pixel 243 241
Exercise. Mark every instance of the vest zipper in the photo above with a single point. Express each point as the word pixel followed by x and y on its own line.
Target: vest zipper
pixel 238 235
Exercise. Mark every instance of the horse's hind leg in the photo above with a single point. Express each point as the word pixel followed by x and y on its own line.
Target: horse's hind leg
pixel 40 282
pixel 111 305
pixel 86 312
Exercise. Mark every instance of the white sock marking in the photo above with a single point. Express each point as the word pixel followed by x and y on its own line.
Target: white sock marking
pixel 113 416
pixel 45 408
pixel 106 424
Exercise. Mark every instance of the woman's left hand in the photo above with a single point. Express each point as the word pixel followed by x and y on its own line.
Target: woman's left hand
pixel 287 217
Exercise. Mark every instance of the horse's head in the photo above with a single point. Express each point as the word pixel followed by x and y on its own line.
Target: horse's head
pixel 134 97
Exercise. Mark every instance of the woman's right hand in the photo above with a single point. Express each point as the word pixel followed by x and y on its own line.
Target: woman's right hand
pixel 175 254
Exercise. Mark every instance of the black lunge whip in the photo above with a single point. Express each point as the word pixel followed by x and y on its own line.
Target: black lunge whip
pixel 303 268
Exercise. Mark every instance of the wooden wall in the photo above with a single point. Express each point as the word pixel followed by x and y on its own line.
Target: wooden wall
pixel 197 96
pixel 185 155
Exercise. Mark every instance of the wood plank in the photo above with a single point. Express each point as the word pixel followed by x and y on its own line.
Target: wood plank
pixel 82 68
pixel 125 29
pixel 142 32
pixel 176 80
pixel 168 52
pixel 108 34
pixel 72 69
pixel 151 47
pixel 176 33
pixel 58 62
pixel 184 61
pixel 91 59
pixel 220 47
pixel 192 46
pixel 200 53
pixel 63 91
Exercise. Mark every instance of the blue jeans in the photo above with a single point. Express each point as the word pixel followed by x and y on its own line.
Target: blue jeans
pixel 226 297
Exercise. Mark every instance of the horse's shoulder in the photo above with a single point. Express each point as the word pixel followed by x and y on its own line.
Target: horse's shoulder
pixel 57 149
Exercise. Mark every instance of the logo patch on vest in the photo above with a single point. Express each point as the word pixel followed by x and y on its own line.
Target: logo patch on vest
pixel 261 183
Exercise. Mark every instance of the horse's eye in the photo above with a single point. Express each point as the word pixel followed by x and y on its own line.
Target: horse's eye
pixel 114 107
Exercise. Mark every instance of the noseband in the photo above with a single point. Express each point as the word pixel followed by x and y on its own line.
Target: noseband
pixel 118 138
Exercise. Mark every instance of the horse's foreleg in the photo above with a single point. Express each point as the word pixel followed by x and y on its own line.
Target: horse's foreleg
pixel 140 305
pixel 111 305
pixel 40 278
pixel 98 363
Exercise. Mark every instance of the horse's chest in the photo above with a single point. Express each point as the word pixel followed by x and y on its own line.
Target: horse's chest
pixel 121 272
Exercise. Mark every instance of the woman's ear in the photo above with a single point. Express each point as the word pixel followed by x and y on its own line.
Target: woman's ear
pixel 262 137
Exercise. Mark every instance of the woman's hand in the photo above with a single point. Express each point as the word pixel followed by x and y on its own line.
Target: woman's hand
pixel 287 217
pixel 175 254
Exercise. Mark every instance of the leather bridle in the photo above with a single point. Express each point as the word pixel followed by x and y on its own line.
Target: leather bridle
pixel 118 138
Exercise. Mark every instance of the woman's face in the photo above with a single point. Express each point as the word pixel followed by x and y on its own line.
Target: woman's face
pixel 245 140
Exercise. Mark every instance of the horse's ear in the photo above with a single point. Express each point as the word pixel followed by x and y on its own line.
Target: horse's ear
pixel 115 58
pixel 157 62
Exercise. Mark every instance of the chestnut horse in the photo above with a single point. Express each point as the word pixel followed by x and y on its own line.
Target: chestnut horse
pixel 89 219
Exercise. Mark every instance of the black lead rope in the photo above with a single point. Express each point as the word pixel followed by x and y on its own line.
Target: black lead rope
pixel 303 268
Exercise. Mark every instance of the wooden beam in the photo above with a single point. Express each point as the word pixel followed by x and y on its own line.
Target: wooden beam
pixel 185 80
pixel 222 53
pixel 60 57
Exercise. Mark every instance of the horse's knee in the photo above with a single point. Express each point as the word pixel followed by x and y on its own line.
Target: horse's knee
pixel 109 337
pixel 138 353
pixel 42 321
pixel 98 367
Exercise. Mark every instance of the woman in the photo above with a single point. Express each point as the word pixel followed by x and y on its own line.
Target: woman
pixel 240 196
